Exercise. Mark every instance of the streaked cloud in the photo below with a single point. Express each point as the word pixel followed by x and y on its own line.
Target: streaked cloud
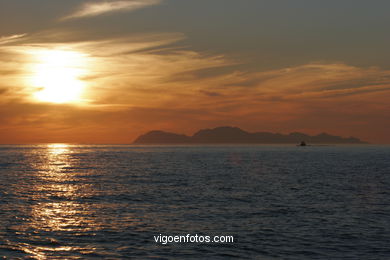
pixel 119 70
pixel 11 38
pixel 97 8
pixel 144 82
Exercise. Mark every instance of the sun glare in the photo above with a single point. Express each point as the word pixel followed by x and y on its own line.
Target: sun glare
pixel 57 76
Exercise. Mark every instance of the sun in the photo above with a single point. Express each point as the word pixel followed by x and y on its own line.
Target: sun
pixel 57 76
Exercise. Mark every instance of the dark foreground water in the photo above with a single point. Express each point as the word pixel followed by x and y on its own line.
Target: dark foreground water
pixel 278 202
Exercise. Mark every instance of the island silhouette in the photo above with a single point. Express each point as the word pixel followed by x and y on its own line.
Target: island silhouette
pixel 235 135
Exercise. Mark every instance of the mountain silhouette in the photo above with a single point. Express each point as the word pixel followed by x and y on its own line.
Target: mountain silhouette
pixel 235 135
pixel 160 137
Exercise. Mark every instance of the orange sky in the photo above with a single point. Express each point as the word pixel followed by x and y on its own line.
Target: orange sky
pixel 63 83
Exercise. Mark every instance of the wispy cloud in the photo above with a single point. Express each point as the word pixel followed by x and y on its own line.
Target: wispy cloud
pixel 121 70
pixel 11 38
pixel 99 8
pixel 140 82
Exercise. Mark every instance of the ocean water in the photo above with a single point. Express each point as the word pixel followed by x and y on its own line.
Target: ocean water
pixel 278 202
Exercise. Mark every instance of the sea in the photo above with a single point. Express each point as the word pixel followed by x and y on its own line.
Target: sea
pixel 62 201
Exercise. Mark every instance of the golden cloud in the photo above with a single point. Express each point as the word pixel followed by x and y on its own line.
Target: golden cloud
pixel 146 82
pixel 91 9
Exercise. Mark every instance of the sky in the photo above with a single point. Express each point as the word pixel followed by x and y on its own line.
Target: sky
pixel 107 71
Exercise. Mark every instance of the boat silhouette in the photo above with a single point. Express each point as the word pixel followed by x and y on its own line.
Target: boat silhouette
pixel 303 143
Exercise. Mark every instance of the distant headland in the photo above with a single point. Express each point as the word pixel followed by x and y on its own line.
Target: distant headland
pixel 235 135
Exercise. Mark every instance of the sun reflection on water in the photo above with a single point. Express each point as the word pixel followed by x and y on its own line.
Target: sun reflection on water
pixel 59 206
pixel 58 148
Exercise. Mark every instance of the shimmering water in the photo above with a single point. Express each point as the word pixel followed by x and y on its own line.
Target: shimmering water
pixel 279 202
